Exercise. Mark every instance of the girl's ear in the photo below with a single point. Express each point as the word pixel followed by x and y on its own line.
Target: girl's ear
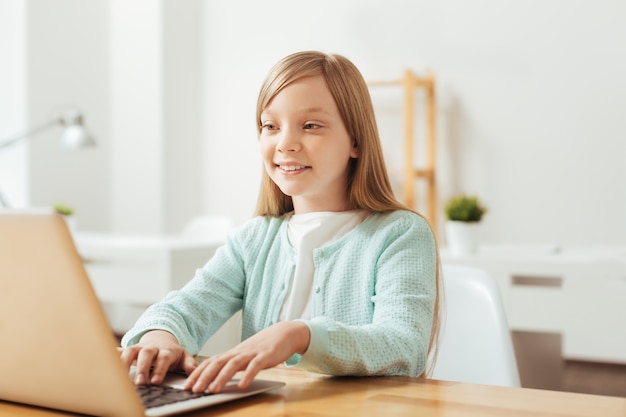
pixel 354 152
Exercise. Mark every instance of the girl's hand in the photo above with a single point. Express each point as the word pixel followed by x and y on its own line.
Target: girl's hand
pixel 265 349
pixel 160 352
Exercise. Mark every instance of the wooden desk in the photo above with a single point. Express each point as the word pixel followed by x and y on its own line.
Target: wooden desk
pixel 314 395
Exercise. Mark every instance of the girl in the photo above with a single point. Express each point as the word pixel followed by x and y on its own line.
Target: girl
pixel 333 274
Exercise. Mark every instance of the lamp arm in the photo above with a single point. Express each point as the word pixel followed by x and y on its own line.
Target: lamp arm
pixel 10 141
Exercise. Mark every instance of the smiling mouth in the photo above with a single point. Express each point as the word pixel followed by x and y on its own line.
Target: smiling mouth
pixel 292 168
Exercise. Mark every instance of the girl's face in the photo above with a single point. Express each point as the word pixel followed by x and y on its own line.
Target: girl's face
pixel 305 146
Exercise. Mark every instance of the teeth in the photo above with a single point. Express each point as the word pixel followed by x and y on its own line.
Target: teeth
pixel 291 167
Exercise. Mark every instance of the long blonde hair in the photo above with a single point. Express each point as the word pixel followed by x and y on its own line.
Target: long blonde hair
pixel 368 184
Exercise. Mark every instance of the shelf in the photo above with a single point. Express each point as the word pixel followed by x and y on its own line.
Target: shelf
pixel 410 173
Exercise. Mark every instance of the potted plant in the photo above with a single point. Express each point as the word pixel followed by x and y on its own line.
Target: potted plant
pixel 464 214
pixel 68 214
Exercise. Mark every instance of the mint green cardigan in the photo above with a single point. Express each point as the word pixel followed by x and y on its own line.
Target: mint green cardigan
pixel 374 294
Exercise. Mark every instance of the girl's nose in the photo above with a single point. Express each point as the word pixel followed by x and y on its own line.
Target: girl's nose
pixel 288 141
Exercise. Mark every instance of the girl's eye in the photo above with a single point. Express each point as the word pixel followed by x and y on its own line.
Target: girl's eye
pixel 311 125
pixel 268 126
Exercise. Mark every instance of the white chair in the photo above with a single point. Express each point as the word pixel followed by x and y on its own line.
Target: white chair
pixel 475 342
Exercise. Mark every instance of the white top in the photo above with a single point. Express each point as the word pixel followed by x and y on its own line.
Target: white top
pixel 306 233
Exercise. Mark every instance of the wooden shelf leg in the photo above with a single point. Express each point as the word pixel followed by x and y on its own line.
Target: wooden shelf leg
pixel 409 169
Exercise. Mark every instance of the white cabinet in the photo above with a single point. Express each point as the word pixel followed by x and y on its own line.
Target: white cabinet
pixel 578 292
pixel 129 273
pixel 596 329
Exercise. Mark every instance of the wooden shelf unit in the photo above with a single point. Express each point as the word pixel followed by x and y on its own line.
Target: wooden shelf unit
pixel 410 82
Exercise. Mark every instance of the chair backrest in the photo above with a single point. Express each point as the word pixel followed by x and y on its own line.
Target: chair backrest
pixel 475 343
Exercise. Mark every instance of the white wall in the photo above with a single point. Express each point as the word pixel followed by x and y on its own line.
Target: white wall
pixel 531 97
pixel 13 159
pixel 531 100
pixel 136 94
pixel 155 73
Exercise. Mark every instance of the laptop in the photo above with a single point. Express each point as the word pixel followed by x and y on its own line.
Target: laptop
pixel 58 350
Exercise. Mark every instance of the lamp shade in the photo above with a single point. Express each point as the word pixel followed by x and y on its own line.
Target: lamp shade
pixel 74 135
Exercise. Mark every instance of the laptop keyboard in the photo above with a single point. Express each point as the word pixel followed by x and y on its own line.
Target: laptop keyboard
pixel 157 395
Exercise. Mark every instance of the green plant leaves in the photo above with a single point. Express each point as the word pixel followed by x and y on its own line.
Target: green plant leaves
pixel 465 208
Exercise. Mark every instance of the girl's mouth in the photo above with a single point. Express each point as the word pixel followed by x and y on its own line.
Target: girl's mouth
pixel 292 168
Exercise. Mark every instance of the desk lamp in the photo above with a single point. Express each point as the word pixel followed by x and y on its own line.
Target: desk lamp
pixel 74 136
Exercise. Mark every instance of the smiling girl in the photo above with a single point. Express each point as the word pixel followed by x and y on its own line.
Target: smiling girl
pixel 333 274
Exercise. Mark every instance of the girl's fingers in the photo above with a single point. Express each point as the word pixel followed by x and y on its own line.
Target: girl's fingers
pixel 161 364
pixel 145 358
pixel 228 370
pixel 195 374
pixel 207 375
pixel 253 368
pixel 214 373
pixel 189 363
pixel 128 355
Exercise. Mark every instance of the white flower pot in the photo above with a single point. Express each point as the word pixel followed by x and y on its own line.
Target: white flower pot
pixel 462 237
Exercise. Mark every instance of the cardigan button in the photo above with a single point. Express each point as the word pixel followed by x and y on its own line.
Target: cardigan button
pixel 317 289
